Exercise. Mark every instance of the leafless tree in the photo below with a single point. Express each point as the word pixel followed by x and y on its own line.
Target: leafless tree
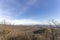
pixel 54 30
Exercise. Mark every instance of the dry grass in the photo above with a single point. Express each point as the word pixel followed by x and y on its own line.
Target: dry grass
pixel 9 32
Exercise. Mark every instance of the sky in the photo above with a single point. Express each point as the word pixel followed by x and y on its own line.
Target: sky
pixel 29 11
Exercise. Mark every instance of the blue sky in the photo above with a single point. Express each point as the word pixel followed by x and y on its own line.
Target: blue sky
pixel 33 11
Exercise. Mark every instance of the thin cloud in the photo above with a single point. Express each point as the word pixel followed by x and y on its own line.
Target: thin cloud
pixel 28 5
pixel 7 9
pixel 13 7
pixel 22 22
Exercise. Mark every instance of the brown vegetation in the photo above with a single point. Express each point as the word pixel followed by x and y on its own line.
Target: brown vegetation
pixel 11 32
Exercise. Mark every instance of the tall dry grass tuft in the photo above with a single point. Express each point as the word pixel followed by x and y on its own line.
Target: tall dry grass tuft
pixel 16 35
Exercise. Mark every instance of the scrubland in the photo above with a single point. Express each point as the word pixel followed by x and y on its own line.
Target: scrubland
pixel 15 32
